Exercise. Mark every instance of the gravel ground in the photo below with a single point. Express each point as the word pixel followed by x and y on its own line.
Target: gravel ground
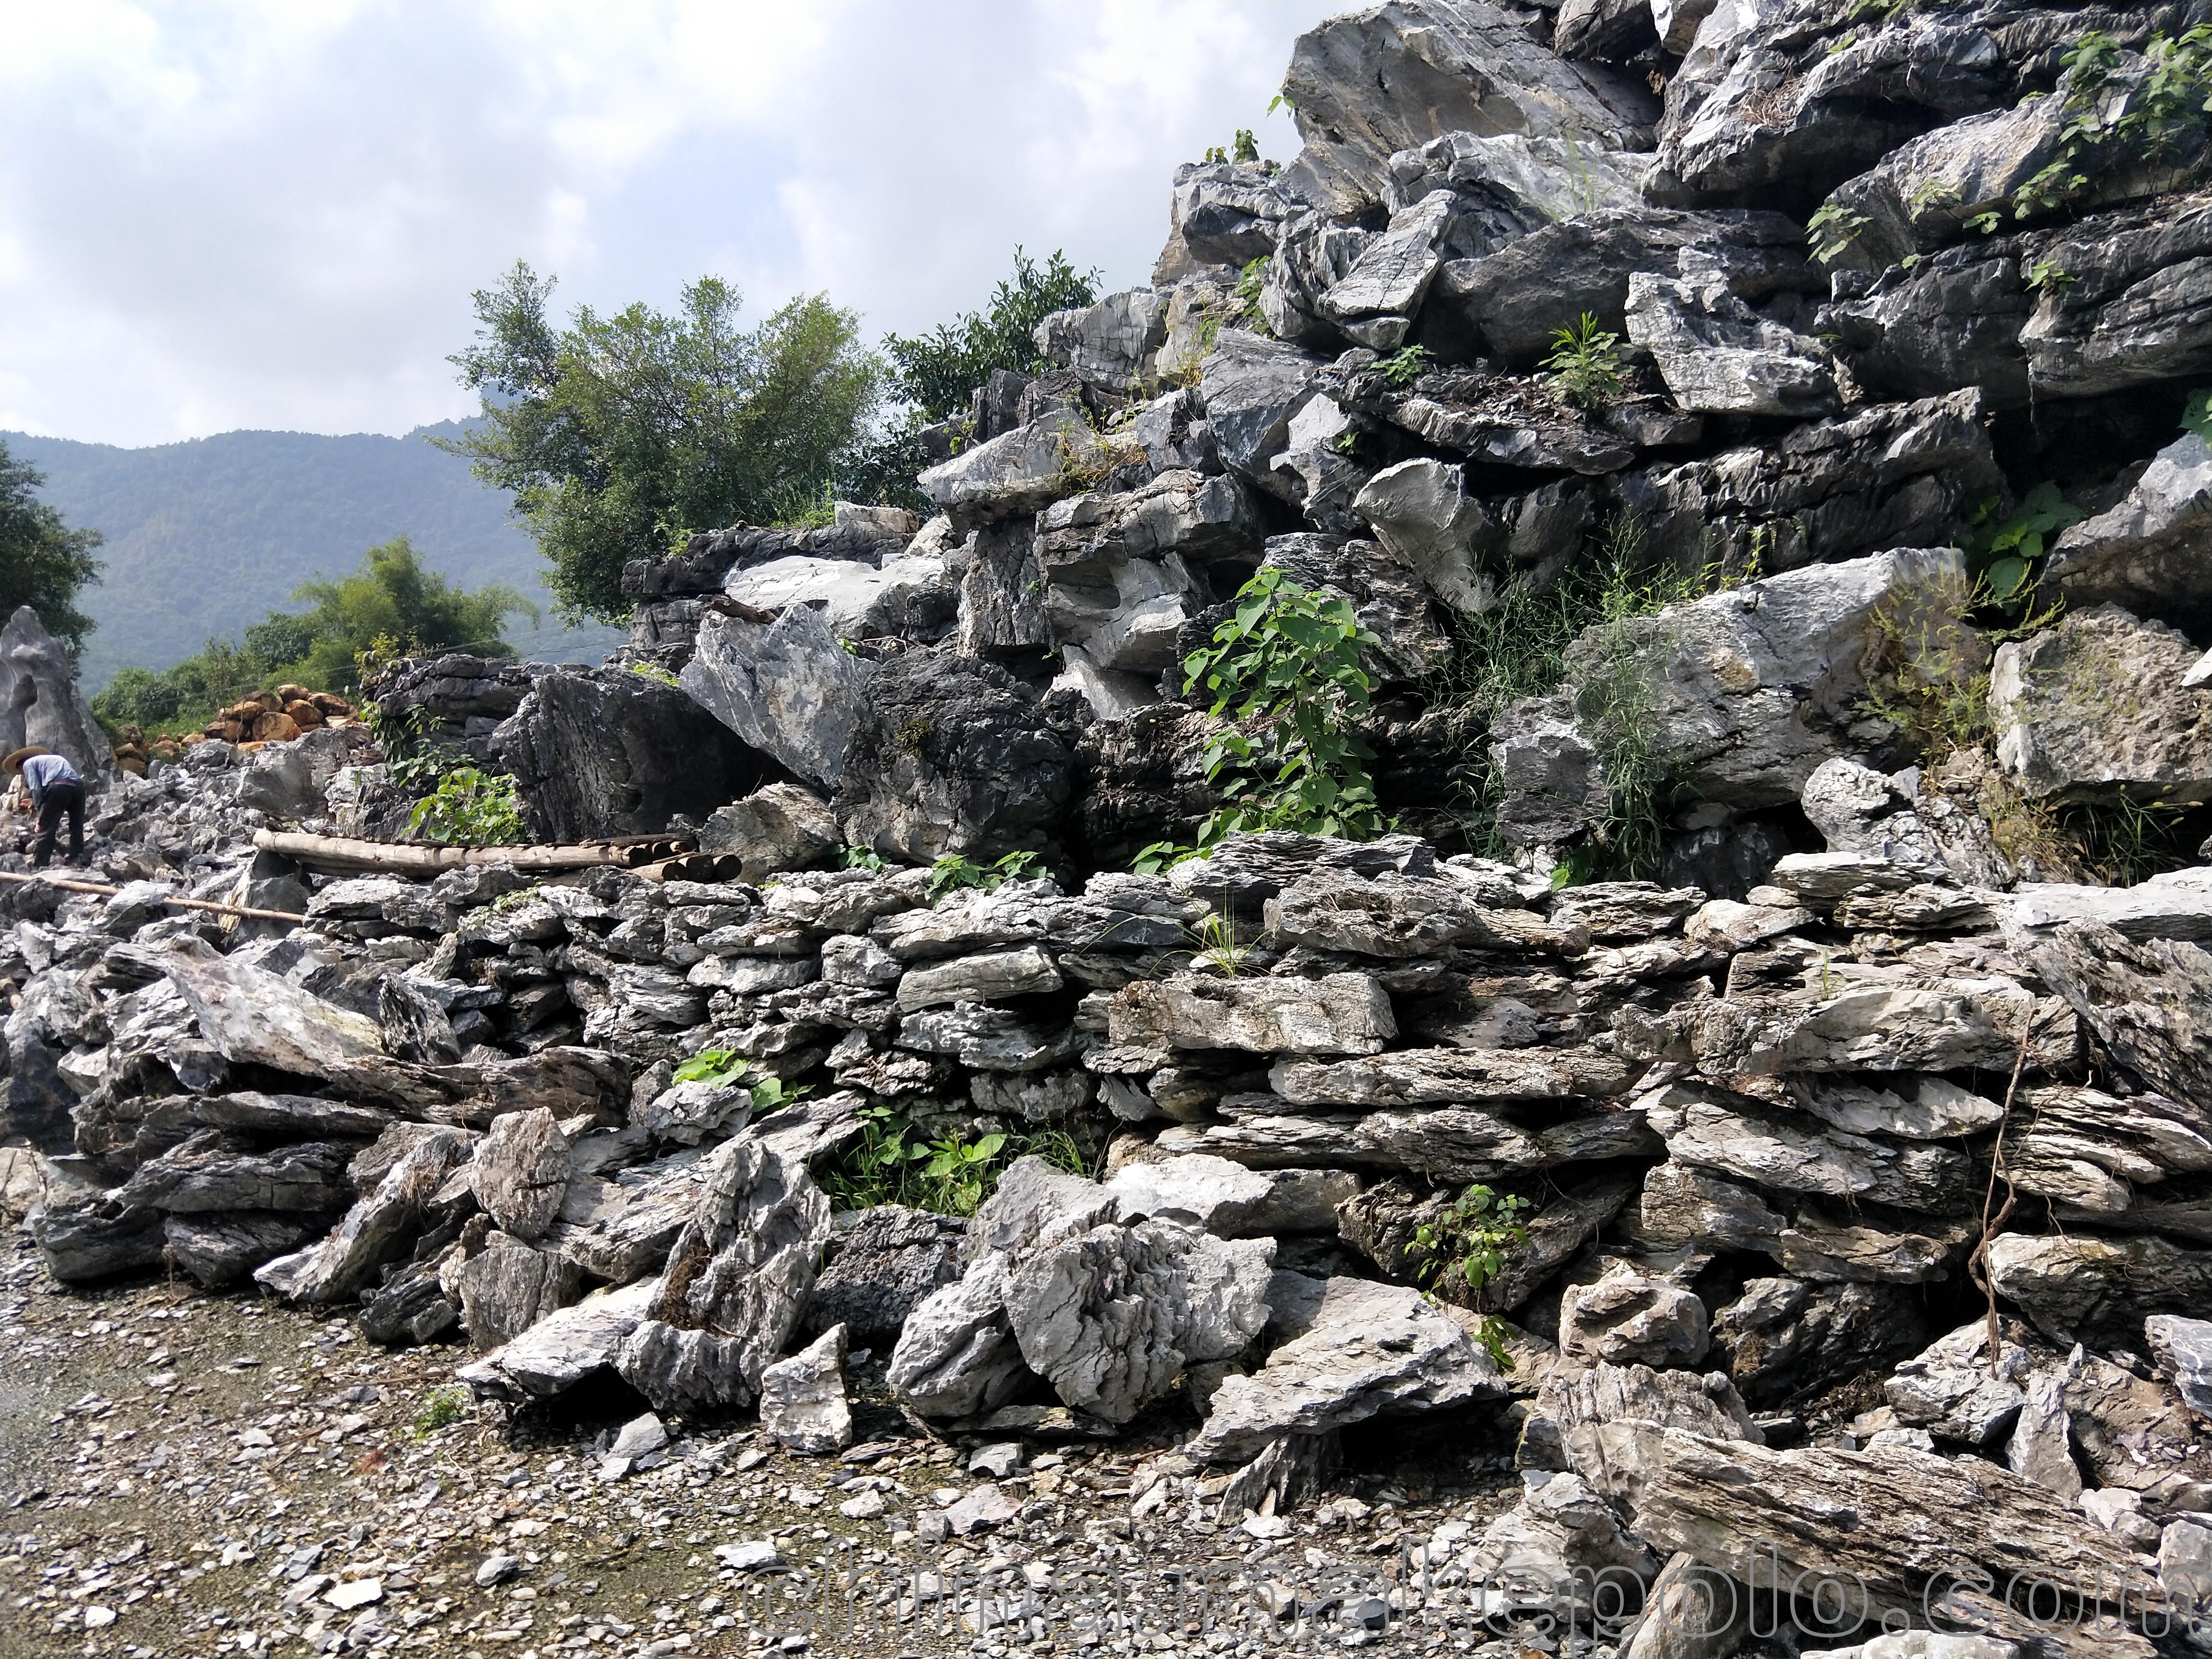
pixel 186 1475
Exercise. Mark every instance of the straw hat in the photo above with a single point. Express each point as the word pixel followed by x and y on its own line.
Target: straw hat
pixel 14 764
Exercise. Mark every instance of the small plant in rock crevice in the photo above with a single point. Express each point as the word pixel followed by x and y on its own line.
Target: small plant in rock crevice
pixel 897 1160
pixel 1466 1244
pixel 955 872
pixel 1406 365
pixel 723 1069
pixel 1834 230
pixel 470 808
pixel 1585 363
pixel 654 671
pixel 1245 310
pixel 1289 690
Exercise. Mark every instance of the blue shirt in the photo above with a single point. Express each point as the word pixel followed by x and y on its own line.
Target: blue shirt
pixel 41 771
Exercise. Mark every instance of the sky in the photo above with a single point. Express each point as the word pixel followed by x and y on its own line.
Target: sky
pixel 218 214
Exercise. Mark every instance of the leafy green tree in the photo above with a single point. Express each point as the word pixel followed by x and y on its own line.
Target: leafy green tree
pixel 43 562
pixel 937 371
pixel 618 435
pixel 390 600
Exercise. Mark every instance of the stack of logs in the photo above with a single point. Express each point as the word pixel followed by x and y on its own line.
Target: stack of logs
pixel 261 717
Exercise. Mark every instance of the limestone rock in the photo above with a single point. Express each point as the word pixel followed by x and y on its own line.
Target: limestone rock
pixel 1784 1336
pixel 1952 1390
pixel 949 756
pixel 2096 710
pixel 1394 915
pixel 1442 1076
pixel 559 1351
pixel 1252 388
pixel 1880 1515
pixel 597 752
pixel 786 688
pixel 956 1356
pixel 521 1172
pixel 738 1278
pixel 1016 472
pixel 1338 1013
pixel 995 976
pixel 1354 1349
pixel 2142 554
pixel 802 1398
pixel 779 828
pixel 337 1267
pixel 216 1251
pixel 2147 1006
pixel 882 1264
pixel 508 1287
pixel 1719 356
pixel 1368 84
pixel 2074 1287
pixel 1627 1319
pixel 2183 1347
pixel 40 703
pixel 252 1017
pixel 1111 344
pixel 1773 1147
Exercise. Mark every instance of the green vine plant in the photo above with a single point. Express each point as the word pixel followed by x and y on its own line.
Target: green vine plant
pixel 895 1161
pixel 1585 363
pixel 1289 687
pixel 2047 279
pixel 1834 231
pixel 2196 414
pixel 2003 553
pixel 1466 1244
pixel 1406 365
pixel 1245 310
pixel 470 808
pixel 954 874
pixel 723 1069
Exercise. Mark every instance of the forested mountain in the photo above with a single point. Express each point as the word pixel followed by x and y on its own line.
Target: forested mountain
pixel 207 536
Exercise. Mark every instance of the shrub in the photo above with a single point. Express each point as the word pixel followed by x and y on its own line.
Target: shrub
pixel 470 808
pixel 1585 363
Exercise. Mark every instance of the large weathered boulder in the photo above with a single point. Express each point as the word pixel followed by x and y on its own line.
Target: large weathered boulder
pixel 1222 214
pixel 1719 356
pixel 1336 1014
pixel 1252 388
pixel 2097 708
pixel 787 688
pixel 2147 1006
pixel 1351 1349
pixel 338 1266
pixel 950 754
pixel 39 702
pixel 1742 695
pixel 802 1398
pixel 253 1017
pixel 1504 186
pixel 1371 83
pixel 883 1263
pixel 521 1172
pixel 1113 345
pixel 737 1280
pixel 2083 1288
pixel 2147 552
pixel 1015 473
pixel 597 752
pixel 772 830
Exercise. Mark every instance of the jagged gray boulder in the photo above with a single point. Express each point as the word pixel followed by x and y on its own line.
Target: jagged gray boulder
pixel 597 752
pixel 1350 1350
pixel 337 1267
pixel 2183 1347
pixel 1222 214
pixel 1252 388
pixel 1627 1318
pixel 1336 1014
pixel 785 688
pixel 1016 472
pixel 1368 84
pixel 738 1278
pixel 802 1398
pixel 772 830
pixel 2146 552
pixel 2097 708
pixel 1113 343
pixel 1719 356
pixel 39 702
pixel 521 1172
pixel 950 754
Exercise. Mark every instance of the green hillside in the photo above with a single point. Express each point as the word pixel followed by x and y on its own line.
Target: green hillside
pixel 207 536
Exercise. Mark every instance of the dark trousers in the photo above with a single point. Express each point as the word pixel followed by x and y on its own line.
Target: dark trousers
pixel 60 798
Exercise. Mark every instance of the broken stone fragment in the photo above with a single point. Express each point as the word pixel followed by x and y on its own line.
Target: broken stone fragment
pixel 521 1172
pixel 1627 1318
pixel 1336 1014
pixel 802 1398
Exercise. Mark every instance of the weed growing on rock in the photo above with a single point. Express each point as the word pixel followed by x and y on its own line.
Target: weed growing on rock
pixel 1245 148
pixel 1585 363
pixel 1834 231
pixel 1285 674
pixel 470 808
pixel 895 1162
pixel 1466 1244
pixel 1245 312
pixel 1406 365
pixel 953 872
pixel 441 1409
pixel 653 670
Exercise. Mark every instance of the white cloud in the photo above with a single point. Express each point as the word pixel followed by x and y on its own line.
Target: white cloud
pixel 228 214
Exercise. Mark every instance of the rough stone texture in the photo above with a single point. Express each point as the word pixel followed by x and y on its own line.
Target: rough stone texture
pixel 802 1398
pixel 949 756
pixel 1627 1319
pixel 1252 388
pixel 738 1278
pixel 1113 343
pixel 2146 552
pixel 1336 1014
pixel 2095 710
pixel 40 703
pixel 2183 1348
pixel 2147 1006
pixel 508 1287
pixel 1368 84
pixel 1353 1349
pixel 881 1267
pixel 1879 1515
pixel 521 1172
pixel 1719 356
pixel 339 1266
pixel 786 688
pixel 252 1017
pixel 1016 472
pixel 2080 1288
pixel 560 1350
pixel 775 829
pixel 597 752
pixel 1747 691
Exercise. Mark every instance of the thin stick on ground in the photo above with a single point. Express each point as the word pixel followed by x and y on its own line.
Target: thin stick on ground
pixel 1978 1263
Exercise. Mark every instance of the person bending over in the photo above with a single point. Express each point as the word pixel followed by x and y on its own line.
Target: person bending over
pixel 55 789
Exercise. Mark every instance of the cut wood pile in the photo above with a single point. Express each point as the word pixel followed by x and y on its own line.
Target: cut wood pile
pixel 1866 1148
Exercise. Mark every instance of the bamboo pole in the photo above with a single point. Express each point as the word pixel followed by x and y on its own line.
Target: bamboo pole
pixel 102 890
pixel 342 853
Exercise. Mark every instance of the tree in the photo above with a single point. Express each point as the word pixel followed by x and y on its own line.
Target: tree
pixel 390 602
pixel 43 562
pixel 618 435
pixel 937 371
